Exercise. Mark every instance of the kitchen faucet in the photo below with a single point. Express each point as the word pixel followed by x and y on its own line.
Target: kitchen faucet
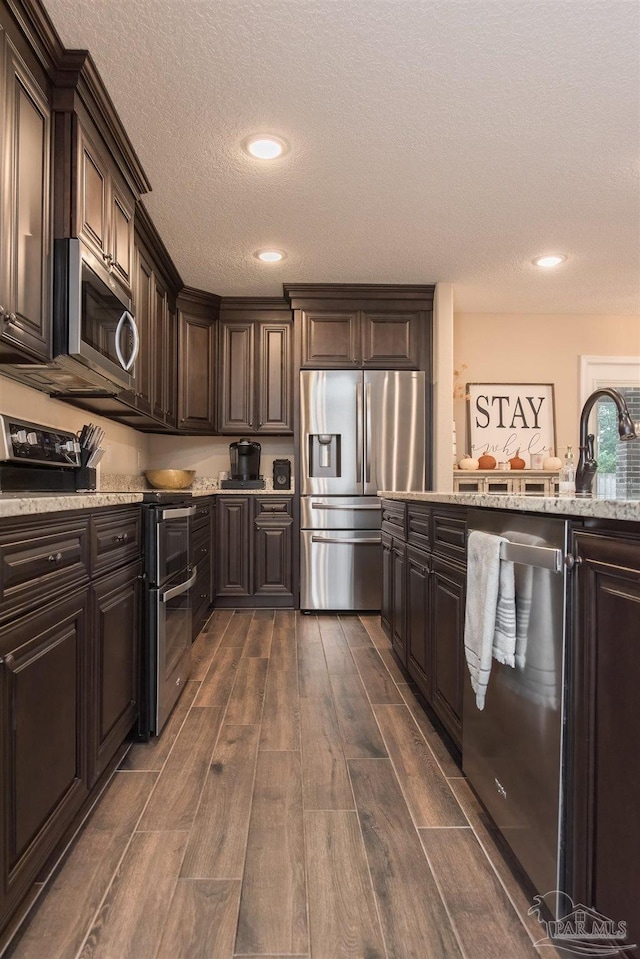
pixel 587 464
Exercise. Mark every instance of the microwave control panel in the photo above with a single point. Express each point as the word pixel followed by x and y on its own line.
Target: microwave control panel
pixel 30 443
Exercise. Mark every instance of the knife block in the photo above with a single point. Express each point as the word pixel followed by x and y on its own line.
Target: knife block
pixel 85 476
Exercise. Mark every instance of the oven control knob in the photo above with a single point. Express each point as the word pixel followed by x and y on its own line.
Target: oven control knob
pixel 32 439
pixel 19 438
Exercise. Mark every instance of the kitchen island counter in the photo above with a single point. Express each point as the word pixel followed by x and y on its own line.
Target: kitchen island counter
pixel 593 507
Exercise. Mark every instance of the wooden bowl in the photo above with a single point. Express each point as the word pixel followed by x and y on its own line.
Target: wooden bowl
pixel 169 479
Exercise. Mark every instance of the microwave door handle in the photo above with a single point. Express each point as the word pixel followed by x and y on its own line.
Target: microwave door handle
pixel 127 319
pixel 181 588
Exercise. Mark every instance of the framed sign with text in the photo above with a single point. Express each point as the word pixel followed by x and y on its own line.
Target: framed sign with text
pixel 503 418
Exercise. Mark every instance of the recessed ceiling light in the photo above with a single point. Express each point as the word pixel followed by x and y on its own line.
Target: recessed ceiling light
pixel 269 256
pixel 265 147
pixel 551 259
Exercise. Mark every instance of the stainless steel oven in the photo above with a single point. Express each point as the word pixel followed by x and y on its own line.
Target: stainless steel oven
pixel 170 579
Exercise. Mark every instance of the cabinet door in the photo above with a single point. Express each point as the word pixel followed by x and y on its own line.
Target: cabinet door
pixel 447 663
pixel 272 553
pixel 171 365
pixel 93 197
pixel 233 557
pixel 159 358
pixel 115 658
pixel 25 224
pixel 43 703
pixel 274 378
pixel 121 235
pixel 237 376
pixel 330 340
pixel 398 562
pixel 418 621
pixel 196 359
pixel 605 737
pixel 386 610
pixel 144 305
pixel 391 340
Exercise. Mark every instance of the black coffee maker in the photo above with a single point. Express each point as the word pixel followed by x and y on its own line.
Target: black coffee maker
pixel 245 466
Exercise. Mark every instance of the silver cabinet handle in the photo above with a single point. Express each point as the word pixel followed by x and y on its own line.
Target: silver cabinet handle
pixel 54 557
pixel 127 320
pixel 182 588
pixel 363 542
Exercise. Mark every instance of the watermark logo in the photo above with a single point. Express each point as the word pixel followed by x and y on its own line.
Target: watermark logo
pixel 579 929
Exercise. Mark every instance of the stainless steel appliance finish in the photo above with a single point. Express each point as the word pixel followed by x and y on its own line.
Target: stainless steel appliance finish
pixel 96 339
pixel 32 444
pixel 360 432
pixel 513 749
pixel 168 606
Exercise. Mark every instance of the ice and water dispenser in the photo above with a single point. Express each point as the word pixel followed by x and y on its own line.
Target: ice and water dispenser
pixel 324 454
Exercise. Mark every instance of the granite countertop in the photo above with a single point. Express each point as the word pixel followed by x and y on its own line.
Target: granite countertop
pixel 559 505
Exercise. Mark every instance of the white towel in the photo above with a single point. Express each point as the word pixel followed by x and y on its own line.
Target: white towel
pixel 490 600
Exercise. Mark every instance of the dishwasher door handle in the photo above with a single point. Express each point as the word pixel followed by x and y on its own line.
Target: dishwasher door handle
pixel 352 540
pixel 542 557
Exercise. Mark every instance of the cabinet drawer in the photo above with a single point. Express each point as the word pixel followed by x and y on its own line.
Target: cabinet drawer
pixel 116 539
pixel 273 506
pixel 449 533
pixel 39 560
pixel 202 515
pixel 394 518
pixel 419 525
pixel 200 546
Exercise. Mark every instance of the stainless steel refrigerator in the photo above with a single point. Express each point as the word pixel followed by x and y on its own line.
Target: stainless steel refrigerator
pixel 360 432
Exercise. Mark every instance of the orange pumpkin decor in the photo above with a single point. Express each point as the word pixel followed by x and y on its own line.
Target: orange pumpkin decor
pixel 487 462
pixel 516 462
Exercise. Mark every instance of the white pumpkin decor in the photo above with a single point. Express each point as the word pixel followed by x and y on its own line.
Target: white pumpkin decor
pixel 552 463
pixel 468 463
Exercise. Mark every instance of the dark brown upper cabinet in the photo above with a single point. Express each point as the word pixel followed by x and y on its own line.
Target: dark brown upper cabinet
pixel 98 177
pixel 255 366
pixel 362 327
pixel 197 335
pixel 25 218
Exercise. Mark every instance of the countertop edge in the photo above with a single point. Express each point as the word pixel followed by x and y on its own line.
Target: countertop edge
pixel 627 510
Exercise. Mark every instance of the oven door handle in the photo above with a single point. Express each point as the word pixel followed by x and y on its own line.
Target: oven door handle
pixel 181 588
pixel 172 513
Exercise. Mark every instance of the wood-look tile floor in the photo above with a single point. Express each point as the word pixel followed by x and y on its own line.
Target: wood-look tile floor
pixel 298 803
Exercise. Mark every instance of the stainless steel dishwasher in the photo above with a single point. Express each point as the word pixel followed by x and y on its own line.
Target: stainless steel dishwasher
pixel 512 750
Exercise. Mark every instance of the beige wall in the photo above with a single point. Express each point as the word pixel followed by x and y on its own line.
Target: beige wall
pixel 538 348
pixel 208 455
pixel 126 448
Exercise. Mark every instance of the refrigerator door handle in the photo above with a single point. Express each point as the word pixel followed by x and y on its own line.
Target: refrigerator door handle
pixel 350 509
pixel 367 433
pixel 359 420
pixel 375 541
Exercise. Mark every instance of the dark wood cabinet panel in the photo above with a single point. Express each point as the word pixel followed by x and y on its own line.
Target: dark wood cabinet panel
pixel 419 618
pixel 144 305
pixel 275 373
pixel 604 732
pixel 393 578
pixel 272 554
pixel 39 559
pixel 386 611
pixel 330 339
pixel 115 657
pixel 447 662
pixel 25 217
pixel 116 539
pixel 236 382
pixel 196 371
pixel 105 208
pixel 398 562
pixel 255 379
pixel 391 340
pixel 43 696
pixel 233 555
pixel 171 365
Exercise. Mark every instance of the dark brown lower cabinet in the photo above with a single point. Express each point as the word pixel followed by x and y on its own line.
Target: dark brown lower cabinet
pixel 393 592
pixel 604 773
pixel 418 618
pixel 447 642
pixel 115 657
pixel 44 699
pixel 201 560
pixel 254 556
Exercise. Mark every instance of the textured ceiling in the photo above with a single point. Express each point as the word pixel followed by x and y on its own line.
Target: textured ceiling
pixel 431 140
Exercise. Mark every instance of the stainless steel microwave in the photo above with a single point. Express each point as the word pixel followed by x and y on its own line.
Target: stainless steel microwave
pixel 95 337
